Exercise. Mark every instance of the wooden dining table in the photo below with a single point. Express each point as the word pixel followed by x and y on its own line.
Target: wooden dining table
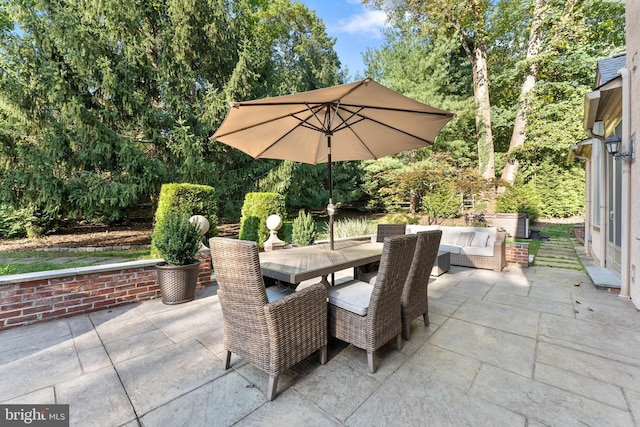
pixel 295 265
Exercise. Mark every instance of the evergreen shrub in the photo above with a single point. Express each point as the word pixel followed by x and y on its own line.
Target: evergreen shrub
pixel 562 193
pixel 304 229
pixel 26 222
pixel 256 209
pixel 12 222
pixel 520 198
pixel 188 199
pixel 176 239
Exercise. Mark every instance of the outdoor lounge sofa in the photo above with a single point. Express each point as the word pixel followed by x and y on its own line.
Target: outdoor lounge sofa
pixel 479 247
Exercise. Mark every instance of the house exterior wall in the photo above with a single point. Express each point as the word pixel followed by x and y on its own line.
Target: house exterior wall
pixel 633 65
pixel 596 244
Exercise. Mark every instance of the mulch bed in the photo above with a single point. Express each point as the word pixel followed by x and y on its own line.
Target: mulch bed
pixel 80 236
pixel 77 235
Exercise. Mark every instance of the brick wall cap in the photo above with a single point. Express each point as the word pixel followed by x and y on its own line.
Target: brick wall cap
pixel 66 272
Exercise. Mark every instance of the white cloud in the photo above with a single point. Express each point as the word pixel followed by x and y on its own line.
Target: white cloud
pixel 368 23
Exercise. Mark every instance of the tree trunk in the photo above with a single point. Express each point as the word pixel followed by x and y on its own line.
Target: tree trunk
pixel 483 113
pixel 413 202
pixel 520 125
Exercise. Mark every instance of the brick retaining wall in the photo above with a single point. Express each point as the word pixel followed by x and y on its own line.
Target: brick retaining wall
pixel 37 297
pixel 517 253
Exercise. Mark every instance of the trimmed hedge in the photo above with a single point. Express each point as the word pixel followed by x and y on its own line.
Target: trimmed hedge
pixel 188 199
pixel 256 209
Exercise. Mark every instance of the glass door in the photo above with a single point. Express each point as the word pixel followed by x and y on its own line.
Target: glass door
pixel 614 226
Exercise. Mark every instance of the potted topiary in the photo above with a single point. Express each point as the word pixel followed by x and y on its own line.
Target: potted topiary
pixel 178 240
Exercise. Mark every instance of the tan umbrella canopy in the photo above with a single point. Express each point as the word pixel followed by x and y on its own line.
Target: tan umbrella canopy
pixel 355 121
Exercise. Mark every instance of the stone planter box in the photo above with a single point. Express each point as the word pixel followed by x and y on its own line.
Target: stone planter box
pixel 515 224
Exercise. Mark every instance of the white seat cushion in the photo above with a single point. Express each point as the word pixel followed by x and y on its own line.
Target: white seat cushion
pixel 450 248
pixel 473 250
pixel 353 296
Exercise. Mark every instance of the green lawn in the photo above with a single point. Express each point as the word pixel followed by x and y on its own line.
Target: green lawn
pixel 555 230
pixel 8 264
pixel 9 261
pixel 549 230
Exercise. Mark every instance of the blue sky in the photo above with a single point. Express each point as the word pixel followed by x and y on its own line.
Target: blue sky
pixel 355 26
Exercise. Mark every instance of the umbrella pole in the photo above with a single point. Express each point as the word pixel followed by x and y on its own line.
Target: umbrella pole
pixel 330 207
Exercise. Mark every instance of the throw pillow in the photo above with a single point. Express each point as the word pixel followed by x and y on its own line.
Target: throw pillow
pixel 465 239
pixel 480 239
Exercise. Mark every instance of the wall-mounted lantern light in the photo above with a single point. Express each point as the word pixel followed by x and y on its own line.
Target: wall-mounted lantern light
pixel 613 144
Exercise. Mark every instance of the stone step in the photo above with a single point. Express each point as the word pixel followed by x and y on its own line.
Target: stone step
pixel 564 252
pixel 603 278
pixel 61 260
pixel 30 260
pixel 556 243
pixel 557 248
pixel 556 264
pixel 558 258
pixel 557 253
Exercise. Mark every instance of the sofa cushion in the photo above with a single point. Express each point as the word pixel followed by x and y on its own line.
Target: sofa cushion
pixel 449 248
pixel 465 239
pixel 449 235
pixel 481 244
pixel 474 250
pixel 353 296
pixel 480 239
pixel 416 228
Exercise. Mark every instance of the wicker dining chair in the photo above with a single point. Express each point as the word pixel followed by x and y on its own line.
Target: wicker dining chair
pixel 414 300
pixel 385 230
pixel 369 316
pixel 367 272
pixel 274 335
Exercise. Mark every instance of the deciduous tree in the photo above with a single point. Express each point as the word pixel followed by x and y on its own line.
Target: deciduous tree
pixel 467 21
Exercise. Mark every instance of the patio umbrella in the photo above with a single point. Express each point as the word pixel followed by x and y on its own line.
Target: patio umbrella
pixel 355 121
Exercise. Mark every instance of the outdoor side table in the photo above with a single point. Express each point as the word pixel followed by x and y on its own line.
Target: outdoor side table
pixel 441 264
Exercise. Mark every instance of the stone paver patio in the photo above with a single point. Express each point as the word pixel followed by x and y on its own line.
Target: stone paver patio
pixel 524 347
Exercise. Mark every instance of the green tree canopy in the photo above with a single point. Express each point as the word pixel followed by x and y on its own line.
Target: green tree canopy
pixel 102 102
pixel 573 35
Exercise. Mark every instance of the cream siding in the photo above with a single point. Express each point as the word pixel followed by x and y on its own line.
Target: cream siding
pixel 633 65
